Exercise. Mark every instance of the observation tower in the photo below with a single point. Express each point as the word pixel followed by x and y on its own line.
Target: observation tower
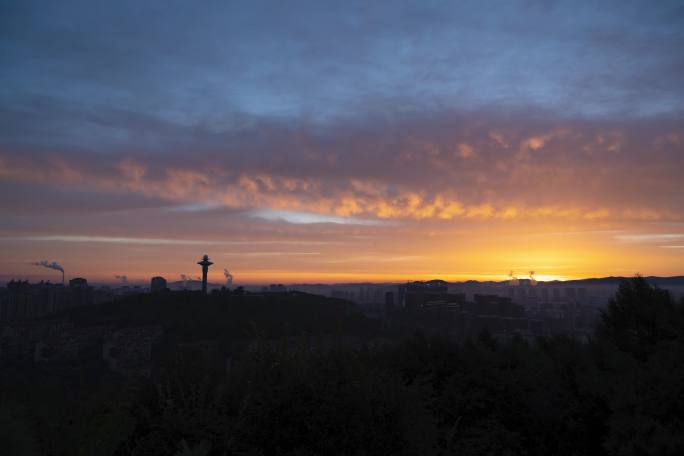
pixel 205 263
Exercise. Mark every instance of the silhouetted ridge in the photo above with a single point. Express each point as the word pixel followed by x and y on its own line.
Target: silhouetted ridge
pixel 290 373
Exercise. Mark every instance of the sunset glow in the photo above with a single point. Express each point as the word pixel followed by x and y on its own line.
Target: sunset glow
pixel 340 148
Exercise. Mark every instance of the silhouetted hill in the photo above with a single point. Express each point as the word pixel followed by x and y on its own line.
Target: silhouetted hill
pixel 190 315
pixel 197 390
pixel 612 280
pixel 653 280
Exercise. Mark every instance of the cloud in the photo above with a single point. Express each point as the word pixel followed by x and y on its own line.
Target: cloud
pixel 306 218
pixel 403 170
pixel 534 143
pixel 113 240
pixel 650 237
pixel 466 150
pixel 70 67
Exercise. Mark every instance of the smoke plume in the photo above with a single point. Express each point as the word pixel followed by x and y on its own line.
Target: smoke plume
pixel 229 277
pixel 121 278
pixel 514 282
pixel 49 265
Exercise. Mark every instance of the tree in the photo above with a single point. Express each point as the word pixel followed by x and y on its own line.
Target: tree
pixel 639 317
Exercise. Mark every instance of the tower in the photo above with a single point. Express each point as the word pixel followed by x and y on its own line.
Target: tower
pixel 205 263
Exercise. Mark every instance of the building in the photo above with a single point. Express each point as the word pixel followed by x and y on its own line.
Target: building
pixel 158 284
pixel 414 295
pixel 80 292
pixel 21 300
pixel 78 282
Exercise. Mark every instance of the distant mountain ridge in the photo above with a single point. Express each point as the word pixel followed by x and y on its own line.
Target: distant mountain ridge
pixel 611 280
pixel 654 280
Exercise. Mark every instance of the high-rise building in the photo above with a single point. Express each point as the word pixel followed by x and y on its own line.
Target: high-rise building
pixel 414 295
pixel 78 282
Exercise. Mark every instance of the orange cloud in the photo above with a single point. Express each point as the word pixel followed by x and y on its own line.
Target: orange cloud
pixel 466 150
pixel 356 197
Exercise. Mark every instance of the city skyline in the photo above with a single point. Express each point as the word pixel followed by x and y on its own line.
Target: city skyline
pixel 345 143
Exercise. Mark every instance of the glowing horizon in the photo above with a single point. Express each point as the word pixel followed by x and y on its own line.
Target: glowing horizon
pixel 583 255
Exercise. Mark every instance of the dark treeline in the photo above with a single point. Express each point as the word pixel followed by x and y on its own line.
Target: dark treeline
pixel 415 394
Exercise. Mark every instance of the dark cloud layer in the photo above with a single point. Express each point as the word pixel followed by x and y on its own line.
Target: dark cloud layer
pixel 204 64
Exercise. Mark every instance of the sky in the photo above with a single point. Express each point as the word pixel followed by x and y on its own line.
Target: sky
pixel 341 141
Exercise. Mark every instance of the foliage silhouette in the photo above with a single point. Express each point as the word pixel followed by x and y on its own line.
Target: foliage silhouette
pixel 286 393
pixel 639 317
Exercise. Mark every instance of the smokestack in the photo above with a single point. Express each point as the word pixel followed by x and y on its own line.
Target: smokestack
pixel 533 281
pixel 205 263
pixel 51 265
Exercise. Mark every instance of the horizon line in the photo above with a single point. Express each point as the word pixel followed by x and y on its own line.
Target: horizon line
pixel 143 282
